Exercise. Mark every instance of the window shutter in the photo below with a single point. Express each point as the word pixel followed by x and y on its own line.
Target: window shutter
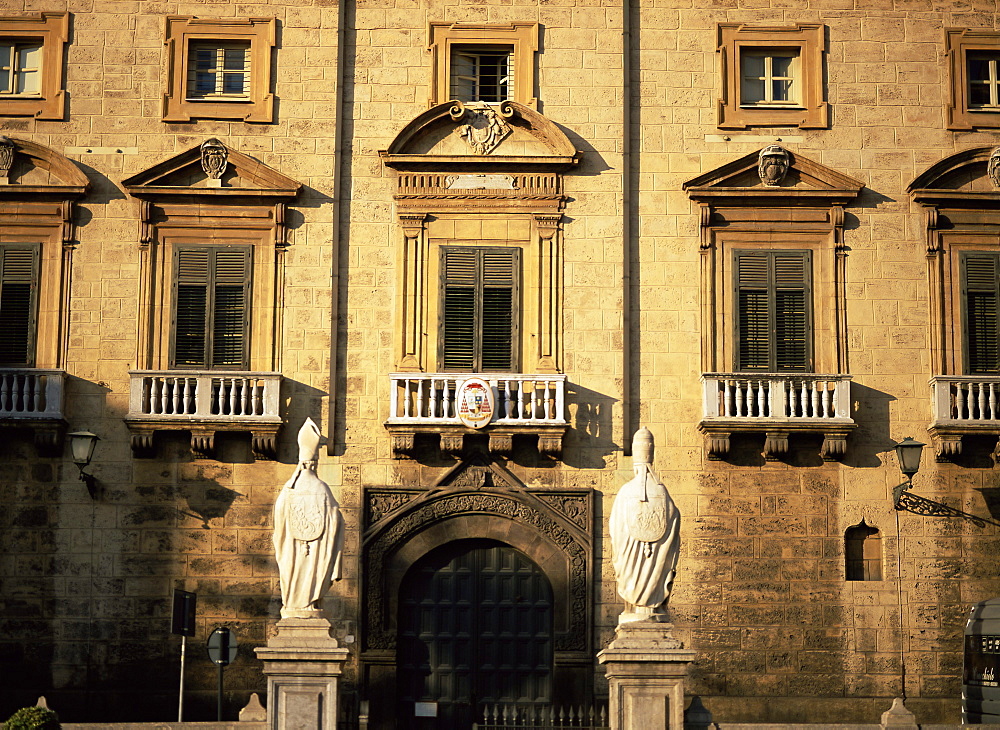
pixel 791 315
pixel 210 320
pixel 980 282
pixel 460 279
pixel 479 331
pixel 191 307
pixel 18 277
pixel 499 266
pixel 753 321
pixel 773 315
pixel 229 330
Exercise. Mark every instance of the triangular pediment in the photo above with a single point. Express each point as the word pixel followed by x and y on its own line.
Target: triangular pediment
pixel 475 136
pixel 963 176
pixel 184 174
pixel 35 169
pixel 740 182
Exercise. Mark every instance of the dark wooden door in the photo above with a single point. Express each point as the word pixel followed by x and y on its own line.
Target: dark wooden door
pixel 475 628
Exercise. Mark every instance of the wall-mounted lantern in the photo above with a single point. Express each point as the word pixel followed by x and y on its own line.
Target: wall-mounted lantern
pixel 82 445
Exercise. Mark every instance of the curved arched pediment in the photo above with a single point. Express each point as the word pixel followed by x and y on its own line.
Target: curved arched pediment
pixel 963 175
pixel 35 168
pixel 476 135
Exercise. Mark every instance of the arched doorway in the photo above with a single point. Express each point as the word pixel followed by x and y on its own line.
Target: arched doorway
pixel 474 628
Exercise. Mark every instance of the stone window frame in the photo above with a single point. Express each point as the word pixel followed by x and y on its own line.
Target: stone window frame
pixel 51 30
pixel 807 41
pixel 180 31
pixel 959 43
pixel 443 37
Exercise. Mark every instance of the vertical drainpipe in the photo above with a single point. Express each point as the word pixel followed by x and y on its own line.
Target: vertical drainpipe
pixel 338 139
pixel 627 404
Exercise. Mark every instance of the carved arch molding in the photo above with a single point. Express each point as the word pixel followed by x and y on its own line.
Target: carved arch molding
pixel 554 527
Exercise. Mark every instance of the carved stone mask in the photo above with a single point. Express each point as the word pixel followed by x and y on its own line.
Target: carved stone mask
pixel 772 165
pixel 993 167
pixel 6 158
pixel 214 158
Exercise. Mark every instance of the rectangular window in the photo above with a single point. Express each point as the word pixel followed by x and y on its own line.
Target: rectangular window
pixel 20 68
pixel 482 73
pixel 980 294
pixel 219 71
pixel 773 312
pixel 211 298
pixel 479 309
pixel 18 286
pixel 769 78
pixel 983 81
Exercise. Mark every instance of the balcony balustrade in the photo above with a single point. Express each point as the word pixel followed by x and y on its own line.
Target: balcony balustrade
pixel 963 405
pixel 205 402
pixel 524 404
pixel 776 404
pixel 33 397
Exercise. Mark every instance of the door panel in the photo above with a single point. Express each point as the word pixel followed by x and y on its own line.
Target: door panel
pixel 475 628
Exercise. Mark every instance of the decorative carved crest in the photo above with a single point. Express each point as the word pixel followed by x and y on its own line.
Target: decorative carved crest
pixel 6 159
pixel 214 158
pixel 993 167
pixel 485 126
pixel 772 165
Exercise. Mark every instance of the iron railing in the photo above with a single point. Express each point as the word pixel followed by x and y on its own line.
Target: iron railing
pixel 542 717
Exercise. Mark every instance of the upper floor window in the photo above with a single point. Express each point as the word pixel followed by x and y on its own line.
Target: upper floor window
pixel 974 83
pixel 31 65
pixel 20 66
pixel 771 76
pixel 773 303
pixel 483 62
pixel 479 309
pixel 482 73
pixel 219 69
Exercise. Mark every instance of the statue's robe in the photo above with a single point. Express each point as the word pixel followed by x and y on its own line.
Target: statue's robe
pixel 308 542
pixel 645 541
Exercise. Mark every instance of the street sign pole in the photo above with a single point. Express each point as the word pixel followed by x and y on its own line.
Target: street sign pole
pixel 182 622
pixel 180 695
pixel 222 646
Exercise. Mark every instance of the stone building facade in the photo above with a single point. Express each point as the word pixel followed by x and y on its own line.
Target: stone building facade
pixel 767 230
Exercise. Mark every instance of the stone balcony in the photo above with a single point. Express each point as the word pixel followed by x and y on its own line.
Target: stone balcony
pixel 32 398
pixel 776 405
pixel 204 403
pixel 526 405
pixel 964 405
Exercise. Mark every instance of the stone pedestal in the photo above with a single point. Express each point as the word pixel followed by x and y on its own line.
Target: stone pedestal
pixel 646 667
pixel 302 664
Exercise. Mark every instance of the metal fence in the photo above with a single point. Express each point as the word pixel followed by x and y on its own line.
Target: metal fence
pixel 541 717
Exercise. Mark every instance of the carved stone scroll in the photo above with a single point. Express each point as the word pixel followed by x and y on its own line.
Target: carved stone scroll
pixel 485 127
pixel 7 151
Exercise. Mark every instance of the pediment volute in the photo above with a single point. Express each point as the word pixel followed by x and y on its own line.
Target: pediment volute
pixel 776 177
pixel 477 136
pixel 969 177
pixel 29 168
pixel 214 169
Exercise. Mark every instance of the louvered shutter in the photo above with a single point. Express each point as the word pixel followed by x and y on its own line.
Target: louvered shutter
pixel 210 316
pixel 478 309
pixel 773 314
pixel 229 315
pixel 18 284
pixel 980 285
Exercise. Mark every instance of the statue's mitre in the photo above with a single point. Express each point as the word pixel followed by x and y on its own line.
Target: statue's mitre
pixel 309 438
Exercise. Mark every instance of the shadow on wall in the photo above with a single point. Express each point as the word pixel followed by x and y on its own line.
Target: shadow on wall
pixel 870 410
pixel 589 438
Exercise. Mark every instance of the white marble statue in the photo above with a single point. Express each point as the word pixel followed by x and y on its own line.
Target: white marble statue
pixel 645 538
pixel 308 533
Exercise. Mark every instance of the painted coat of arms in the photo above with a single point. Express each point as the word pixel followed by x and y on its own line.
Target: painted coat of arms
pixel 475 403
